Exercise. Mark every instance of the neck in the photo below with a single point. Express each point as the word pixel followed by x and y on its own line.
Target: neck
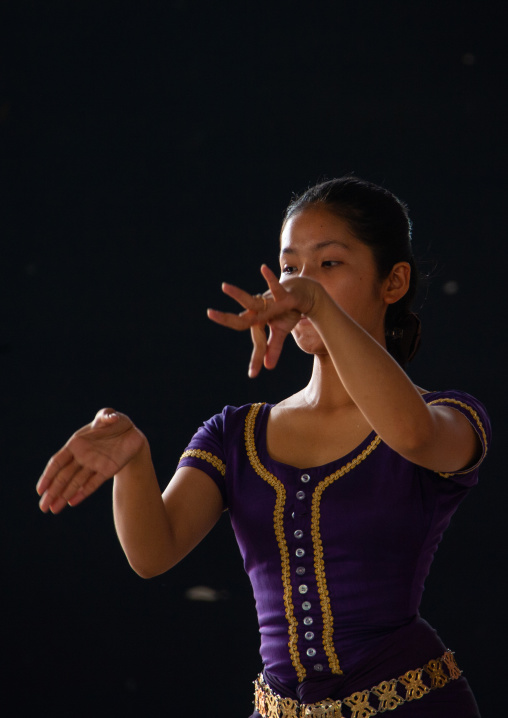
pixel 325 390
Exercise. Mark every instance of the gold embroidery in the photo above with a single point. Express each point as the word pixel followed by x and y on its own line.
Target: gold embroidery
pixel 415 688
pixel 479 424
pixel 272 709
pixel 319 563
pixel 259 697
pixel 206 456
pixel 451 664
pixel 438 678
pixel 289 708
pixel 389 699
pixel 278 522
pixel 270 705
pixel 316 540
pixel 359 704
pixel 324 709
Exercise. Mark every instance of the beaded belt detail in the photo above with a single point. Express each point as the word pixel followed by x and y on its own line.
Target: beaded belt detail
pixel 386 696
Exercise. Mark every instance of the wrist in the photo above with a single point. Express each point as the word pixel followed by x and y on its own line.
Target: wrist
pixel 319 300
pixel 139 460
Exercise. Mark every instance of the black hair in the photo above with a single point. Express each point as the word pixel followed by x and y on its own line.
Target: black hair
pixel 381 221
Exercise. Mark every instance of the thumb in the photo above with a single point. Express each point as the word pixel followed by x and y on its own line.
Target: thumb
pixel 105 417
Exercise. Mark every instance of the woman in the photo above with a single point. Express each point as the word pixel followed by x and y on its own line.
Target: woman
pixel 338 495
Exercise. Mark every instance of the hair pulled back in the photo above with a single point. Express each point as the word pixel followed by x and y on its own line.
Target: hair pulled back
pixel 381 221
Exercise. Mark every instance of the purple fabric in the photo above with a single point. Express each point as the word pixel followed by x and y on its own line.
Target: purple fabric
pixel 379 523
pixel 407 648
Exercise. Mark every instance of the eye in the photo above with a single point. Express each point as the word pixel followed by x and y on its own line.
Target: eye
pixel 288 270
pixel 331 263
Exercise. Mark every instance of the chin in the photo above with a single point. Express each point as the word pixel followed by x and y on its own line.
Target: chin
pixel 307 339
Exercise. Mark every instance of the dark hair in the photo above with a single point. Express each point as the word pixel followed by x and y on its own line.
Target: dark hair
pixel 381 221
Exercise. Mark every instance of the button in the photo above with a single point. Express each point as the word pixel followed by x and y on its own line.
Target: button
pixel 300 552
pixel 305 478
pixel 293 515
pixel 318 667
pixel 306 605
pixel 308 621
pixel 300 570
pixel 309 636
pixel 303 588
pixel 298 534
pixel 311 652
pixel 300 495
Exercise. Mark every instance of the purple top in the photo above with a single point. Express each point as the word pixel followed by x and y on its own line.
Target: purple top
pixel 337 554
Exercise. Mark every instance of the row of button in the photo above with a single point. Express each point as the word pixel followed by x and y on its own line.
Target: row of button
pixel 303 588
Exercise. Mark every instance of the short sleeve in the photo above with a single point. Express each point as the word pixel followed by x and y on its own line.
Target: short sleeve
pixel 206 452
pixel 476 414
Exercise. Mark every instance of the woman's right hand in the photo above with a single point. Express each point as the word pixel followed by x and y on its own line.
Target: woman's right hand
pixel 92 455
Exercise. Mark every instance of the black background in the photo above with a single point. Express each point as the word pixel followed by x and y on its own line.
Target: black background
pixel 148 151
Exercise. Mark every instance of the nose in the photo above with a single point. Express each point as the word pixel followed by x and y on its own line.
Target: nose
pixel 306 271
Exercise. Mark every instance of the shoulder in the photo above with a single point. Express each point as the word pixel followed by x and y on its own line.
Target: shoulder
pixel 229 421
pixel 215 442
pixel 473 409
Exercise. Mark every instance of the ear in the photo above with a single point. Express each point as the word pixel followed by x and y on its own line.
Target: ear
pixel 396 283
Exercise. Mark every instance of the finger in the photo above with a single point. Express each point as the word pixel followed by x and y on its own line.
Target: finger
pixel 276 288
pixel 274 347
pixel 57 462
pixel 58 484
pixel 258 335
pixel 57 505
pixel 232 321
pixel 77 482
pixel 93 483
pixel 74 494
pixel 78 497
pixel 246 300
pixel 105 416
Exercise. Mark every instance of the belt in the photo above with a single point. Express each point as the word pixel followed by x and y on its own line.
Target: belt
pixel 386 696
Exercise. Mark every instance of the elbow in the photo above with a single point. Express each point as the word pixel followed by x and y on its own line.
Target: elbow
pixel 146 573
pixel 149 571
pixel 416 441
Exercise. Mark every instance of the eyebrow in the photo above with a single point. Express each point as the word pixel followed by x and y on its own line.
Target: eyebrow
pixel 318 246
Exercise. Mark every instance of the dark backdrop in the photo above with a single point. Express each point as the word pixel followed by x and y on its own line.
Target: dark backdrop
pixel 148 150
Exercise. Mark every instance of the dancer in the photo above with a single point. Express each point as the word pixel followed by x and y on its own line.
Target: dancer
pixel 338 495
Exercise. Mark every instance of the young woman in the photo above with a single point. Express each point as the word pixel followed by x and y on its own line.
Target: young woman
pixel 338 495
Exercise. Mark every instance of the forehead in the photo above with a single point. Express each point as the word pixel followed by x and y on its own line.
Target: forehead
pixel 315 228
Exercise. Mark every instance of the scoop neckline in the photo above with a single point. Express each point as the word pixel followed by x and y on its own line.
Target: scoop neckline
pixel 267 458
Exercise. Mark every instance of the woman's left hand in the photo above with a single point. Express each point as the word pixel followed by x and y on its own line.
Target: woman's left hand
pixel 281 307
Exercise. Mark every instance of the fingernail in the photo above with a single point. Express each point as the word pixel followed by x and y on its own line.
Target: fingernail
pixel 43 504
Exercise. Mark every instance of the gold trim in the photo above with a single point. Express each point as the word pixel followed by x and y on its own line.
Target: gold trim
pixel 387 695
pixel 278 522
pixel 480 431
pixel 415 687
pixel 316 541
pixel 319 563
pixel 206 456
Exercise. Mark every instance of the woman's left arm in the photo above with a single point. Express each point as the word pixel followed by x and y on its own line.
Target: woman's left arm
pixel 436 437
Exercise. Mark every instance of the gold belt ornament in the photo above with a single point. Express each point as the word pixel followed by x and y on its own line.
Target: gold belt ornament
pixel 386 696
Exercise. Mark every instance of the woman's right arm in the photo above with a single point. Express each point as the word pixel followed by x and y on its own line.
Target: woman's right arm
pixel 155 531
